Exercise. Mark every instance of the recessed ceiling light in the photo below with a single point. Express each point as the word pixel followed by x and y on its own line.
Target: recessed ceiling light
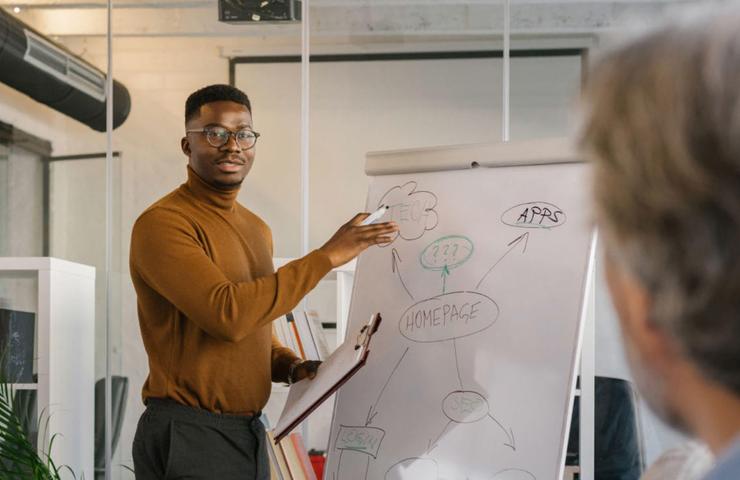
pixel 16 9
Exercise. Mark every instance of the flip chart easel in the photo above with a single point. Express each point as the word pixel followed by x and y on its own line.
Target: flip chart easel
pixel 487 286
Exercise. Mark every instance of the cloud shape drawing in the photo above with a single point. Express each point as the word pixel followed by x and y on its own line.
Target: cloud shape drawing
pixel 412 209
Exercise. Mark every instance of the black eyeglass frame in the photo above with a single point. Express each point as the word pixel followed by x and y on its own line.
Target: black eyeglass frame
pixel 230 133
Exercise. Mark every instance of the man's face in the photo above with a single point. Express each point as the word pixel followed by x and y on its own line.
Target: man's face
pixel 225 166
pixel 649 353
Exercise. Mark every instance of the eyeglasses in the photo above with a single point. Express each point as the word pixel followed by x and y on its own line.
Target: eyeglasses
pixel 219 136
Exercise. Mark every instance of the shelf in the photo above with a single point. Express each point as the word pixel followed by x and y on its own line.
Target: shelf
pixel 62 297
pixel 24 386
pixel 20 264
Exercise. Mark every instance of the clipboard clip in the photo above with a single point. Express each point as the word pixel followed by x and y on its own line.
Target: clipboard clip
pixel 367 331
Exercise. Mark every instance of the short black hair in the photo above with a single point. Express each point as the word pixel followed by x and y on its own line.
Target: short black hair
pixel 214 93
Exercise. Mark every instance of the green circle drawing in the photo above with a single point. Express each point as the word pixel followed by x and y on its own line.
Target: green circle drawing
pixel 446 253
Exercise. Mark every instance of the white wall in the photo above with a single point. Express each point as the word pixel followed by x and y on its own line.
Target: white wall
pixel 357 107
pixel 21 223
pixel 21 206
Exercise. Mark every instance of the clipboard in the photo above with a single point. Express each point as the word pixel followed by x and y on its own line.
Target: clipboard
pixel 307 395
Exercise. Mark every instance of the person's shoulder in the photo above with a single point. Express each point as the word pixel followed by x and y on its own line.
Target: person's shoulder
pixel 167 210
pixel 689 461
pixel 254 219
pixel 728 465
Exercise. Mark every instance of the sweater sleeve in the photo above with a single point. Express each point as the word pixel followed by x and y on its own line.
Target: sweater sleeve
pixel 167 254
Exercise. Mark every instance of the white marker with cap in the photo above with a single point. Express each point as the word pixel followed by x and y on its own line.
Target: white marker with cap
pixel 375 215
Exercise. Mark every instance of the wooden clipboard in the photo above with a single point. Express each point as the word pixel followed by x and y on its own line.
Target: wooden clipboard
pixel 307 395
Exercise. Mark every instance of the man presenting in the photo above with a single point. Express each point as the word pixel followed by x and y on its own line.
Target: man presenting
pixel 207 294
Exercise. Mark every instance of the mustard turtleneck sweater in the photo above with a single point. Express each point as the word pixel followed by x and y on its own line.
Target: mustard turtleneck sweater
pixel 207 293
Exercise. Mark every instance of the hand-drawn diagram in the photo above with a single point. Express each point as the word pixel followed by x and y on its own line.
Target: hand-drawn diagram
pixel 447 317
pixel 513 474
pixel 446 253
pixel 413 211
pixel 364 439
pixel 534 215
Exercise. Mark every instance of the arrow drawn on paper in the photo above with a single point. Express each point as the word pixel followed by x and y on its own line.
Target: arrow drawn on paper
pixel 395 260
pixel 509 433
pixel 445 274
pixel 457 363
pixel 372 412
pixel 433 443
pixel 523 238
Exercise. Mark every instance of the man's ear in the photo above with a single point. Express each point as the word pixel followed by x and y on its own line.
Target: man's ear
pixel 185 146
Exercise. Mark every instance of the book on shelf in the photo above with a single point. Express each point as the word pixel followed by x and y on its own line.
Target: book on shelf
pixel 274 472
pixel 278 466
pixel 318 334
pixel 307 337
pixel 296 336
pixel 283 332
pixel 292 459
pixel 301 331
pixel 300 449
pixel 289 459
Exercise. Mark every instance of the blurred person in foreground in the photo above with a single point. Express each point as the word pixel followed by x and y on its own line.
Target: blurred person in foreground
pixel 662 128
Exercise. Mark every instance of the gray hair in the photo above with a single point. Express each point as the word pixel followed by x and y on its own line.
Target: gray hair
pixel 662 126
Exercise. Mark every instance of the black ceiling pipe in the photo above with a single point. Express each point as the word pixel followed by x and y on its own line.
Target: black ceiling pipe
pixel 47 72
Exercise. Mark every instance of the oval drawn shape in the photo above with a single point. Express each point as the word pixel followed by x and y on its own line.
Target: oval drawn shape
pixel 513 474
pixel 534 215
pixel 447 316
pixel 450 252
pixel 465 406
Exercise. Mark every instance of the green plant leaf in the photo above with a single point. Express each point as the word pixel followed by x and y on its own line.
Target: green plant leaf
pixel 19 459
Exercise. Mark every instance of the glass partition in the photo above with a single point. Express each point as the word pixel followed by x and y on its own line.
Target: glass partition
pixel 52 114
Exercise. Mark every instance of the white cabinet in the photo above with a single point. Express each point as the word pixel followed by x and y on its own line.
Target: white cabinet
pixel 61 294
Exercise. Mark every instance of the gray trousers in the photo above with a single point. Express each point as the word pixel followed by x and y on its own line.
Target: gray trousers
pixel 174 441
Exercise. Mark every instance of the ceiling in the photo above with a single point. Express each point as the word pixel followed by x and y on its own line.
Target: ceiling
pixel 441 19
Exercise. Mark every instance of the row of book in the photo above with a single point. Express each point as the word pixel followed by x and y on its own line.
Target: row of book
pixel 289 459
pixel 302 332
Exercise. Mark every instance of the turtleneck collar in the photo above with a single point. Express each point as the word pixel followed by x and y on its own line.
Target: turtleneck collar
pixel 218 197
